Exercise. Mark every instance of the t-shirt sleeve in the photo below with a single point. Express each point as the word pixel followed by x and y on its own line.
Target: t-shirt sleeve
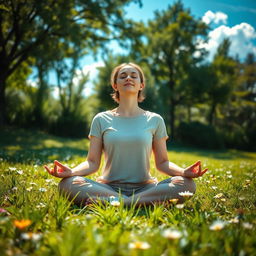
pixel 160 131
pixel 95 128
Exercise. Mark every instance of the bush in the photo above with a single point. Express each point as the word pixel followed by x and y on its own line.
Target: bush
pixel 70 126
pixel 201 135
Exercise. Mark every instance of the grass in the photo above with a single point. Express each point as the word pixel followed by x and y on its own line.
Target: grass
pixel 226 194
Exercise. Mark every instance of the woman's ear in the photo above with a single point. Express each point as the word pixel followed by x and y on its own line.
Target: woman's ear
pixel 142 86
pixel 114 87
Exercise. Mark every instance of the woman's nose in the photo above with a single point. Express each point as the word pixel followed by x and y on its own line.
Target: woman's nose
pixel 128 77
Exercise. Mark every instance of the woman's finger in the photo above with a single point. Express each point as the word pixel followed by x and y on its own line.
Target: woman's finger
pixel 59 164
pixel 204 171
pixel 49 170
pixel 55 170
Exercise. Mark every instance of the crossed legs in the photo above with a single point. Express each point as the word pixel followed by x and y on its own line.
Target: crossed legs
pixel 81 190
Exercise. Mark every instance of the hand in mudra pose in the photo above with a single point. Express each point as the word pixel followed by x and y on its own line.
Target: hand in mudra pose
pixel 59 170
pixel 194 170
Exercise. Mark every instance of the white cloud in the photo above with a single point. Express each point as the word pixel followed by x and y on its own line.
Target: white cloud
pixel 241 37
pixel 218 17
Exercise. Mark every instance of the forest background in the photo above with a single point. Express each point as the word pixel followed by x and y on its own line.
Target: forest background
pixel 209 104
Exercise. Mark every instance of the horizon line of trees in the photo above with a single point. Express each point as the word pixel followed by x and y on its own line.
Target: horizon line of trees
pixel 207 104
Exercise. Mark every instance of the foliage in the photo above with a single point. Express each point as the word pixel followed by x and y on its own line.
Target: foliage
pixel 27 25
pixel 172 41
pixel 57 227
pixel 200 135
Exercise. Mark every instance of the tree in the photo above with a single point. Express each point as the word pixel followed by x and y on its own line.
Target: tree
pixel 27 24
pixel 173 40
pixel 224 74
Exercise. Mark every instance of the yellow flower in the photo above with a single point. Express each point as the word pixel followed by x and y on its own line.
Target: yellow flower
pixel 22 224
pixel 174 200
pixel 139 245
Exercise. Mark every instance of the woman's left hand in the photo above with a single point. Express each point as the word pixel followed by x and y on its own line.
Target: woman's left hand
pixel 194 170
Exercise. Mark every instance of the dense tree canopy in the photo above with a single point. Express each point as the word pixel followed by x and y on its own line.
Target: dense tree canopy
pixel 25 25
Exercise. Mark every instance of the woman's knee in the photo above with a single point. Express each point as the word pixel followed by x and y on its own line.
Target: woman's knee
pixel 187 183
pixel 66 184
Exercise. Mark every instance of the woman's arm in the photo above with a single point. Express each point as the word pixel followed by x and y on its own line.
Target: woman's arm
pixel 161 159
pixel 92 163
pixel 171 169
pixel 88 167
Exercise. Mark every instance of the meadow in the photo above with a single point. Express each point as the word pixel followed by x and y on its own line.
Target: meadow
pixel 36 220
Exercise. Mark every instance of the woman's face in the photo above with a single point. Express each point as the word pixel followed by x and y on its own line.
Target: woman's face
pixel 128 81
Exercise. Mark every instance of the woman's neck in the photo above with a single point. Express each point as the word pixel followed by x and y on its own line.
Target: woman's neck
pixel 128 107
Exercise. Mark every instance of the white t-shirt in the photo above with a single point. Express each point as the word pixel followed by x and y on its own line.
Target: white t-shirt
pixel 127 145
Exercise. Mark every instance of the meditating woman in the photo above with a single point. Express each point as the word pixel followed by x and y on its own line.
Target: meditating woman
pixel 127 135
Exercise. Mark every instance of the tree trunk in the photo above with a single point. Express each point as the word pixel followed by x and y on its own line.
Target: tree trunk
pixel 41 95
pixel 212 114
pixel 189 113
pixel 3 114
pixel 172 120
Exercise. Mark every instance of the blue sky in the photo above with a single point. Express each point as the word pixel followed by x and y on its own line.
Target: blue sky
pixel 235 19
pixel 237 10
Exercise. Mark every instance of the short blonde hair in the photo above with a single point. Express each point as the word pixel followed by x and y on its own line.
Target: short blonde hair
pixel 115 95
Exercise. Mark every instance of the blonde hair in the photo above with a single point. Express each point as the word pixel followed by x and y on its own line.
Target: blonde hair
pixel 115 95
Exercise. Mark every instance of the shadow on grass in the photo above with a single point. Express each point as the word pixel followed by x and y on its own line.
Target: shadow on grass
pixel 221 154
pixel 25 146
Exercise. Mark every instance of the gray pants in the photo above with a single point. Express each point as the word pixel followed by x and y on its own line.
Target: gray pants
pixel 81 190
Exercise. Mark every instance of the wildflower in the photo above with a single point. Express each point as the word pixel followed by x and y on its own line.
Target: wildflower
pixel 241 198
pixel 33 183
pixel 234 220
pixel 14 189
pixel 228 172
pixel 29 189
pixel 214 187
pixel 4 212
pixel 220 195
pixel 174 200
pixel 180 206
pixel 172 234
pixel 49 180
pixel 115 203
pixel 12 168
pixel 42 189
pixel 217 225
pixel 139 245
pixel 229 176
pixel 223 199
pixel 22 224
pixel 40 205
pixel 31 236
pixel 247 225
pixel 20 172
pixel 186 194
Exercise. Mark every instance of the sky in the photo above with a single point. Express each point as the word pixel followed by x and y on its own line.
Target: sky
pixel 235 19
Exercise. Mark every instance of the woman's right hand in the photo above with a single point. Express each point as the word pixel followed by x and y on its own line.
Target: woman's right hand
pixel 59 170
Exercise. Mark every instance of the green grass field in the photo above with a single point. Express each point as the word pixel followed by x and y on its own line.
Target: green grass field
pixel 35 220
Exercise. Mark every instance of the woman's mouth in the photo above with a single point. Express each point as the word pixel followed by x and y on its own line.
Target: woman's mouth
pixel 128 84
